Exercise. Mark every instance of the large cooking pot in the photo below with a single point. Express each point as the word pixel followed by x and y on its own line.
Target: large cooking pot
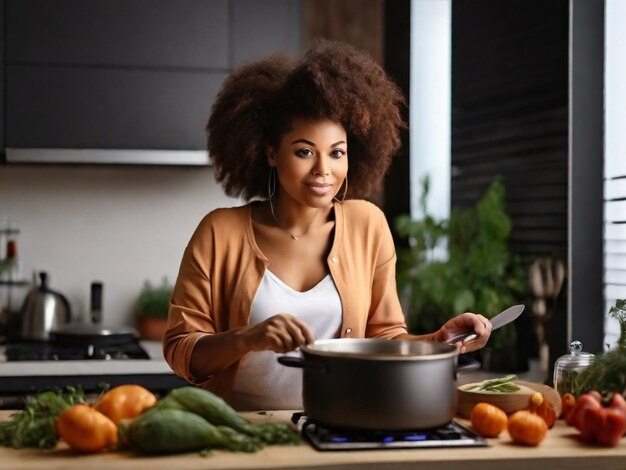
pixel 378 384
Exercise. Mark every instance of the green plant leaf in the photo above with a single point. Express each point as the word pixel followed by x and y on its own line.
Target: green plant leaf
pixel 480 275
pixel 153 301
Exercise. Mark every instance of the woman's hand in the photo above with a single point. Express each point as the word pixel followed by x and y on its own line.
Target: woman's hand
pixel 280 333
pixel 466 322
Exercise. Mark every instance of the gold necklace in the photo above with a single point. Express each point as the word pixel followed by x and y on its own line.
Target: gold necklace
pixel 291 234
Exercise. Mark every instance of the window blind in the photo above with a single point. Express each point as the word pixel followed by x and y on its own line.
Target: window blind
pixel 614 164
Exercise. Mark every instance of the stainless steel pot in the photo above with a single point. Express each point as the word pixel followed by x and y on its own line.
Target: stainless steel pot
pixel 93 336
pixel 43 310
pixel 378 384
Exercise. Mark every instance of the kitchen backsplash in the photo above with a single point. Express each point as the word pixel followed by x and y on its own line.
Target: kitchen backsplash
pixel 117 225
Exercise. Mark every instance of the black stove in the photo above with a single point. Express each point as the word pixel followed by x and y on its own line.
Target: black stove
pixel 324 438
pixel 42 351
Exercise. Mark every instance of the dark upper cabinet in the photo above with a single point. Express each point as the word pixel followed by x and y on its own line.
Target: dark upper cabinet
pixel 144 33
pixel 265 26
pixel 127 74
pixel 102 108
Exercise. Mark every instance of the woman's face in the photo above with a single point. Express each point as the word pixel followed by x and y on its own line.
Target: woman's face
pixel 311 162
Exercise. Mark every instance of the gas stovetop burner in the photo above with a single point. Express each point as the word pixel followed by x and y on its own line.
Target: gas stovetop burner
pixel 324 438
pixel 41 351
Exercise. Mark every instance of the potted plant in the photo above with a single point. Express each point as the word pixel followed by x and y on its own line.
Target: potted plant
pixel 607 371
pixel 151 309
pixel 478 274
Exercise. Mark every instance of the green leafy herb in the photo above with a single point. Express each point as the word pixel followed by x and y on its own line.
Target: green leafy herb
pixel 569 382
pixel 607 371
pixel 618 311
pixel 34 425
pixel 154 301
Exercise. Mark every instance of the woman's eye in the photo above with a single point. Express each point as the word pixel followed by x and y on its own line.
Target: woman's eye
pixel 304 153
pixel 337 153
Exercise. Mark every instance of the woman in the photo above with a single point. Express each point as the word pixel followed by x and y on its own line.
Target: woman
pixel 307 259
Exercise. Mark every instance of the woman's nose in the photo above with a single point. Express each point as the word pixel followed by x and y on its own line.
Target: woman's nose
pixel 321 168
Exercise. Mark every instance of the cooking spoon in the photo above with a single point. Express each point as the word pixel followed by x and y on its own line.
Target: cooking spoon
pixel 501 319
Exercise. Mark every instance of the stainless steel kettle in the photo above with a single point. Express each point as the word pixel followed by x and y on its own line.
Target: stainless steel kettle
pixel 43 310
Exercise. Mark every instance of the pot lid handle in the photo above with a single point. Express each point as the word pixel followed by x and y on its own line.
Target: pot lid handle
pixel 96 302
pixel 43 278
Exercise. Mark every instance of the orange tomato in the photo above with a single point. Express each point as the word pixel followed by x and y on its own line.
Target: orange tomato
pixel 527 428
pixel 488 420
pixel 125 401
pixel 546 411
pixel 567 404
pixel 86 429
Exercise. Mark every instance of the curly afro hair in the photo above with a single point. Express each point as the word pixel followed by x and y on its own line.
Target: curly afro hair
pixel 259 101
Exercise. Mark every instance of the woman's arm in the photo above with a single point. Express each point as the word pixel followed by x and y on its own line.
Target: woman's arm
pixel 480 325
pixel 215 352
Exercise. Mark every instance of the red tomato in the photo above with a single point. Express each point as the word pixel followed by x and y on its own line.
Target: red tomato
pixel 618 402
pixel 588 400
pixel 604 425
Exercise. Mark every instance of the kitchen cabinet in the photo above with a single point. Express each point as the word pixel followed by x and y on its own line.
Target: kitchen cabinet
pixel 99 108
pixel 127 74
pixel 132 33
pixel 559 450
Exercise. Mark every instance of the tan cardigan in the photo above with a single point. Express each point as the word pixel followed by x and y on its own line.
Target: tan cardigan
pixel 222 268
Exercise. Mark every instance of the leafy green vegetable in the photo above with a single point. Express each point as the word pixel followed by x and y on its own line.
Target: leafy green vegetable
pixel 34 425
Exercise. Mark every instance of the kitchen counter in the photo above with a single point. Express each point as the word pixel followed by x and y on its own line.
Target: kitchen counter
pixel 18 378
pixel 561 449
pixel 156 364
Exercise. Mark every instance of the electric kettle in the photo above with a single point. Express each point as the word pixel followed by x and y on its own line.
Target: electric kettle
pixel 43 310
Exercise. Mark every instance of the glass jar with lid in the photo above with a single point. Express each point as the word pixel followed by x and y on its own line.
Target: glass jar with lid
pixel 568 368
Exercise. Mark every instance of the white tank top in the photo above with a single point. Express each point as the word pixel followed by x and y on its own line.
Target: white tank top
pixel 263 383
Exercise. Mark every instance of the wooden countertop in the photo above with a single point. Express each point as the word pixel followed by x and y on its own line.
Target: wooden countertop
pixel 561 449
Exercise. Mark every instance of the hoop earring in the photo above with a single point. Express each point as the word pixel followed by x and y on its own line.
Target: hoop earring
pixel 345 191
pixel 271 188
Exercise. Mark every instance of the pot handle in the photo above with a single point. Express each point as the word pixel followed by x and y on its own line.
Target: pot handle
pixel 299 362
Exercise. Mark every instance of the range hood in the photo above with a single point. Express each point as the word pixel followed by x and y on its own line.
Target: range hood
pixel 107 156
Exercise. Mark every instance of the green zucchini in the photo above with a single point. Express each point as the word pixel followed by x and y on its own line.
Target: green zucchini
pixel 216 411
pixel 169 430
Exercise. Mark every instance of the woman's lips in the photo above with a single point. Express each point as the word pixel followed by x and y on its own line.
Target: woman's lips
pixel 321 189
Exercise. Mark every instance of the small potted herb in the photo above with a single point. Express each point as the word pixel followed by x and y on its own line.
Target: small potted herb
pixel 607 371
pixel 151 309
